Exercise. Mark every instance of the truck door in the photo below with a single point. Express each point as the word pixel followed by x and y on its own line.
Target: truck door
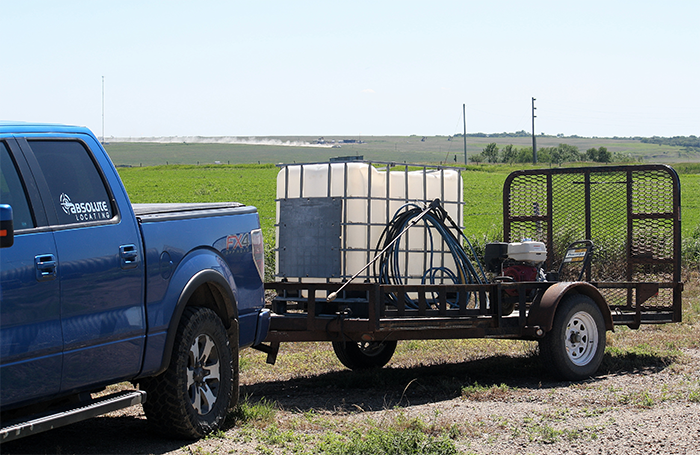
pixel 31 342
pixel 100 262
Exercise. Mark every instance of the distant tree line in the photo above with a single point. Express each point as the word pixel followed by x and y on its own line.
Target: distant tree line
pixel 520 133
pixel 563 153
pixel 692 143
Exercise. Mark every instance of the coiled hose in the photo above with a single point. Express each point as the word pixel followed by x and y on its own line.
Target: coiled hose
pixel 387 268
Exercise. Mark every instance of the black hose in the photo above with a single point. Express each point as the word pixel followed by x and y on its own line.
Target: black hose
pixel 387 269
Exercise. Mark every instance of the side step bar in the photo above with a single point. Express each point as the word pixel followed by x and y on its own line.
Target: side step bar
pixel 103 405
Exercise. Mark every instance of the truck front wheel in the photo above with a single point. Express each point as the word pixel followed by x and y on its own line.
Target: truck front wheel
pixel 191 398
pixel 365 354
pixel 576 343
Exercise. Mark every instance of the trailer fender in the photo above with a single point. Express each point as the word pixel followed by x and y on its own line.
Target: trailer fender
pixel 542 312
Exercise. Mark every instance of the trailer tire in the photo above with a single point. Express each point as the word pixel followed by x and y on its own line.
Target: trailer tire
pixel 364 355
pixel 192 397
pixel 576 344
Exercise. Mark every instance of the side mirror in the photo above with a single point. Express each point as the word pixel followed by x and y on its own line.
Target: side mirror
pixel 7 231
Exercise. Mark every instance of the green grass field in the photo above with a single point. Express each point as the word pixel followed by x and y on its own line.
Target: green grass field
pixel 248 184
pixel 256 185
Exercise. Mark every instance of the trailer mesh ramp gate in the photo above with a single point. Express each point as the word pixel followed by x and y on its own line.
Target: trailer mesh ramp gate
pixel 632 215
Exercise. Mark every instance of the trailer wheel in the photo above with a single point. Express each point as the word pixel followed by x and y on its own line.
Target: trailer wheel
pixel 191 398
pixel 576 343
pixel 365 354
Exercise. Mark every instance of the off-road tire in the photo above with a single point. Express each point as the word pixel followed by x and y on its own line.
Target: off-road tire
pixel 192 397
pixel 364 355
pixel 576 344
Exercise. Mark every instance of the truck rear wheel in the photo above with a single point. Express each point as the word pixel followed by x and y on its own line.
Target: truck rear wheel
pixel 576 343
pixel 365 354
pixel 192 397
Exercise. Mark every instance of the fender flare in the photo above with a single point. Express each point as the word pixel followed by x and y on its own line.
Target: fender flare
pixel 226 308
pixel 542 312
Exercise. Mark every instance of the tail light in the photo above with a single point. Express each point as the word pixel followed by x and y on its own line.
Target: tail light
pixel 256 239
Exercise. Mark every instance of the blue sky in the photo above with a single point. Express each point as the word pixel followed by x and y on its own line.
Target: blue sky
pixel 270 68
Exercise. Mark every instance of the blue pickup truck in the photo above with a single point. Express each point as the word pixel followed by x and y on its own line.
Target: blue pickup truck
pixel 95 291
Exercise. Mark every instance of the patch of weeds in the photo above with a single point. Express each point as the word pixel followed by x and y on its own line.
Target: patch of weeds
pixel 453 432
pixel 593 412
pixel 516 432
pixel 538 432
pixel 218 434
pixel 262 450
pixel 638 399
pixel 311 421
pixel 273 436
pixel 573 434
pixel 671 345
pixel 547 434
pixel 391 441
pixel 472 429
pixel 197 451
pixel 435 426
pixel 243 364
pixel 669 394
pixel 694 396
pixel 411 345
pixel 556 414
pixel 401 423
pixel 478 392
pixel 258 414
pixel 500 422
pixel 646 400
pixel 243 436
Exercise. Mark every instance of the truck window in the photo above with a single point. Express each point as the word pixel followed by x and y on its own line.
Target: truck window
pixel 12 191
pixel 78 192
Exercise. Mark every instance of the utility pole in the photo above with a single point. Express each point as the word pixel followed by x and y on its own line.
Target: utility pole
pixel 464 117
pixel 534 141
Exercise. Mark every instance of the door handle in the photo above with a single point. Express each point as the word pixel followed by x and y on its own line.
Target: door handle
pixel 129 256
pixel 45 265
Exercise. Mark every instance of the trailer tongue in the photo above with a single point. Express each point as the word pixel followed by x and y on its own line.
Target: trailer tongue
pixel 585 249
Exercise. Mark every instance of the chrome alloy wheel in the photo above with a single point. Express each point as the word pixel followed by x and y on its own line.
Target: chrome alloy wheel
pixel 203 374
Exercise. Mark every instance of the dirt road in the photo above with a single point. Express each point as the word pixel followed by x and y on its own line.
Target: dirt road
pixel 494 405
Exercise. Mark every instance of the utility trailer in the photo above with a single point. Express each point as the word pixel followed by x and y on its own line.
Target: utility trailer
pixel 625 271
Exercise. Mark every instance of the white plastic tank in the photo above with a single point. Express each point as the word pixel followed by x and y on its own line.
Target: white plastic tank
pixel 371 196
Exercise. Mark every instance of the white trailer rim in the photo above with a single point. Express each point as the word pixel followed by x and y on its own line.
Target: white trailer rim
pixel 581 338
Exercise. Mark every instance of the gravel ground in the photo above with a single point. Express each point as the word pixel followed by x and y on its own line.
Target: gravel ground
pixel 651 409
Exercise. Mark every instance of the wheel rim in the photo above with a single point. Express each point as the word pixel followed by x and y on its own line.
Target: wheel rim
pixel 581 338
pixel 203 374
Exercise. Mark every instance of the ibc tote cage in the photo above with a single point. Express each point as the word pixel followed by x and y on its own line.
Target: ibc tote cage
pixel 328 223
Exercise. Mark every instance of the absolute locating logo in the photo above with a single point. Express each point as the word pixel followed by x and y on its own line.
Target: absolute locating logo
pixel 85 211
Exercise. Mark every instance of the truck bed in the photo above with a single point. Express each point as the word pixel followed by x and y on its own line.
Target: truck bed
pixel 175 211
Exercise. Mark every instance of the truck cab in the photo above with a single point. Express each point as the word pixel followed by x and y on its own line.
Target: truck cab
pixel 93 293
